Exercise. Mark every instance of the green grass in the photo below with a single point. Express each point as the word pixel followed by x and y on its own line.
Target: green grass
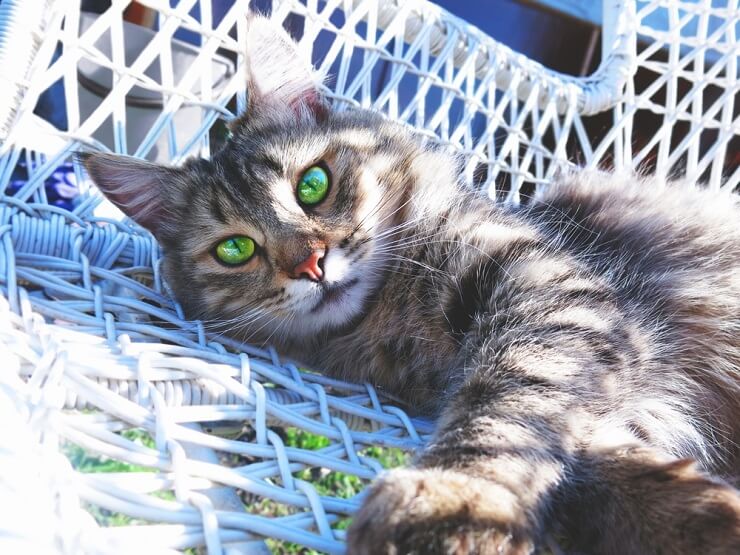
pixel 327 483
pixel 92 463
pixel 85 461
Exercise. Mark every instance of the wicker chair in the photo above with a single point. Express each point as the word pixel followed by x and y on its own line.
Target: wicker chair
pixel 99 366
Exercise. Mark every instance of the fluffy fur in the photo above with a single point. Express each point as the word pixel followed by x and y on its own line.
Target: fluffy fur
pixel 581 351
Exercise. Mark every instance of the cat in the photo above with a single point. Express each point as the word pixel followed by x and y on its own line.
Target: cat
pixel 581 352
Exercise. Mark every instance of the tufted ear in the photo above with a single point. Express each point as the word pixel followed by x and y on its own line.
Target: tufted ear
pixel 141 189
pixel 279 75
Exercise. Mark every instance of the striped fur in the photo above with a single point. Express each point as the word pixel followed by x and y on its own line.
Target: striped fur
pixel 581 351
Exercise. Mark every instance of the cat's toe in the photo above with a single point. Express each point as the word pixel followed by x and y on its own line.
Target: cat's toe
pixel 438 511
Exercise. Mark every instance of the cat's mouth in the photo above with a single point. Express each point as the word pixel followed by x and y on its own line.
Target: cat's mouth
pixel 334 293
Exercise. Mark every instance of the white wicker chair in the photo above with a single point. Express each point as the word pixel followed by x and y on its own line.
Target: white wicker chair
pixel 91 344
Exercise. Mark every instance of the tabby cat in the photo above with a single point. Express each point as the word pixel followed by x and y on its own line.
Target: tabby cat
pixel 581 352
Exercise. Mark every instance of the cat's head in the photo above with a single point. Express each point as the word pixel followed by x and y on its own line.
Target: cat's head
pixel 287 230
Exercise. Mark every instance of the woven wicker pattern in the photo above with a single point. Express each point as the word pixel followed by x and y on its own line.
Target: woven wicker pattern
pixel 190 396
pixel 102 364
pixel 692 56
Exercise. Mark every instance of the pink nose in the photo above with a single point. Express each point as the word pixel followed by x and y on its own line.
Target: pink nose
pixel 310 267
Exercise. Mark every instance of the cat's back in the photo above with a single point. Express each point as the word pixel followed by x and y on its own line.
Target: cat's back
pixel 647 237
pixel 594 208
pixel 670 255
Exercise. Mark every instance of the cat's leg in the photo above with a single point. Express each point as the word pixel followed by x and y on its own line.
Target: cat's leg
pixel 510 460
pixel 637 500
pixel 484 485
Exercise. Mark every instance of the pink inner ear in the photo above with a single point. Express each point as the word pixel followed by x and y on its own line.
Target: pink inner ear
pixel 315 104
pixel 134 186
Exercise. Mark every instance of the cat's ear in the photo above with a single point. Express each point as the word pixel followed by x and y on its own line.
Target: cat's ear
pixel 141 189
pixel 279 75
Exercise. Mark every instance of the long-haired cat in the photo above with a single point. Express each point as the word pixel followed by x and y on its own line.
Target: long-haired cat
pixel 582 351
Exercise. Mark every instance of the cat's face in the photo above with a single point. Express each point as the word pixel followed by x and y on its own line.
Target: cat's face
pixel 286 231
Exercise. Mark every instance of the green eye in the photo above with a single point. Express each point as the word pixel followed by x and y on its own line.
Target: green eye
pixel 313 186
pixel 236 250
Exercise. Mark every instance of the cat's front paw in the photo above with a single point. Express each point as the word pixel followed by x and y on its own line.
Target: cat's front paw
pixel 431 511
